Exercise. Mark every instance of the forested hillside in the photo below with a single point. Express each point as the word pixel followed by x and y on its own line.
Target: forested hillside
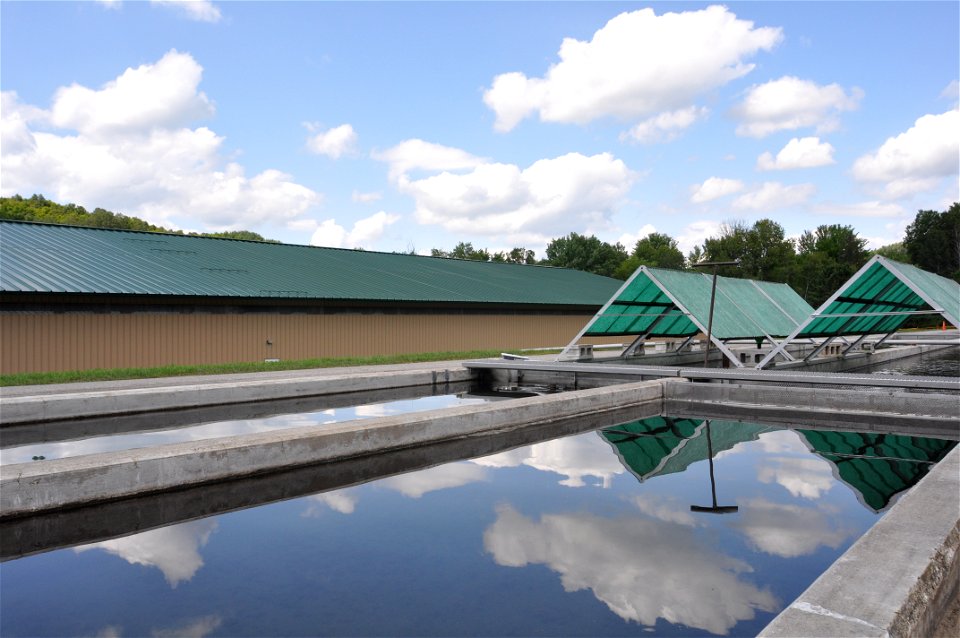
pixel 40 209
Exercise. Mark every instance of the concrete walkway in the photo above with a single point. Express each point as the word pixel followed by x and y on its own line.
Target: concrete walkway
pixel 41 403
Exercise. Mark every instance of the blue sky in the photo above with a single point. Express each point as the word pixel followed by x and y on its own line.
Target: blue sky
pixel 398 126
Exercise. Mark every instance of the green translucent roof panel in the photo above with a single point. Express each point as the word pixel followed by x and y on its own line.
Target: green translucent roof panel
pixel 877 467
pixel 673 303
pixel 50 258
pixel 879 298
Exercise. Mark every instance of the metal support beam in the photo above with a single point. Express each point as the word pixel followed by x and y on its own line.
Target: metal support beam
pixel 853 345
pixel 819 348
pixel 634 345
pixel 686 342
pixel 885 337
pixel 638 342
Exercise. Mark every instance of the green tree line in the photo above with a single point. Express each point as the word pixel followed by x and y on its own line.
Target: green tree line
pixel 815 265
pixel 40 209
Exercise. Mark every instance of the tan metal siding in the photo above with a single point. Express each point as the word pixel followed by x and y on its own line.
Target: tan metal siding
pixel 47 342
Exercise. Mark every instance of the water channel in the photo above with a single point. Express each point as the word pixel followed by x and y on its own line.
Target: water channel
pixel 613 532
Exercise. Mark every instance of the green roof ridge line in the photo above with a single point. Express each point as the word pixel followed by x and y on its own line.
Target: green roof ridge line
pixel 257 242
pixel 68 259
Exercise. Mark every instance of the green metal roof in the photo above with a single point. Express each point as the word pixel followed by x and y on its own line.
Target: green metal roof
pixel 49 258
pixel 879 299
pixel 877 467
pixel 673 303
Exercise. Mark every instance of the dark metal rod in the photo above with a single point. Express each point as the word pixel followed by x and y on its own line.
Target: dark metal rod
pixel 713 298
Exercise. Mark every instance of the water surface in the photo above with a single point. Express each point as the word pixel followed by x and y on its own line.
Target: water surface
pixel 586 535
pixel 161 434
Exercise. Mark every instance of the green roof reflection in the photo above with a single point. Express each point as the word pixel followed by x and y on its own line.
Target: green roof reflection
pixel 663 445
pixel 877 467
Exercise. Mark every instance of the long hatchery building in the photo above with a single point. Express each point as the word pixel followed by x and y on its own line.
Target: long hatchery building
pixel 76 298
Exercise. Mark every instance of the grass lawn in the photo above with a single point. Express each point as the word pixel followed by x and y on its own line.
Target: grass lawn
pixel 38 378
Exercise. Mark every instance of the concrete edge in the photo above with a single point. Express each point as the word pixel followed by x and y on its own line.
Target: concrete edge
pixel 57 529
pixel 40 408
pixel 898 578
pixel 926 414
pixel 28 488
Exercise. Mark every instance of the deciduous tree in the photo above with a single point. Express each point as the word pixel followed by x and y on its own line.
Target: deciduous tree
pixel 827 258
pixel 586 253
pixel 933 241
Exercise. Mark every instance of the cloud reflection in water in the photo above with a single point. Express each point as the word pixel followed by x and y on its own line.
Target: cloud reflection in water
pixel 788 530
pixel 174 550
pixel 575 457
pixel 641 569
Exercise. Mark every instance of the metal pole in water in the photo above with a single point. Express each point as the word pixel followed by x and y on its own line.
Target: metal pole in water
pixel 714 509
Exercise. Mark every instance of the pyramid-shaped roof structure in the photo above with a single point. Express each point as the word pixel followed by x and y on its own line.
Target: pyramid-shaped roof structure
pixel 657 302
pixel 878 299
pixel 881 297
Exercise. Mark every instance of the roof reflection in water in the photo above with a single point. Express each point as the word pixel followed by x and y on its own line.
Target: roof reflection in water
pixel 877 467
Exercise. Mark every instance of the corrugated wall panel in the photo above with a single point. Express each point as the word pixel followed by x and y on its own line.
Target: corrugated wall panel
pixel 46 342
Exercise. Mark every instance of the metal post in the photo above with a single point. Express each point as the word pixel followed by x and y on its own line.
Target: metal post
pixel 706 350
pixel 713 297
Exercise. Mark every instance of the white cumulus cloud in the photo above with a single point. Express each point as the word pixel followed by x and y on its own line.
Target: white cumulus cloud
pixel 128 147
pixel 790 103
pixel 874 209
pixel 951 92
pixel 198 10
pixel 335 142
pixel 363 234
pixel 517 204
pixel 159 95
pixel 916 160
pixel 365 198
pixel 713 188
pixel 418 155
pixel 774 196
pixel 805 152
pixel 664 127
pixel 695 234
pixel 639 64
pixel 629 240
